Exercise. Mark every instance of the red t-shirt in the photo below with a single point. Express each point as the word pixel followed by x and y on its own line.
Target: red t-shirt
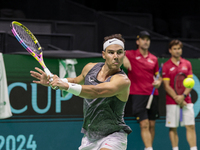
pixel 143 70
pixel 170 70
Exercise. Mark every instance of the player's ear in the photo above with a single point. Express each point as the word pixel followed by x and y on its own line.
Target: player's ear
pixel 170 50
pixel 137 42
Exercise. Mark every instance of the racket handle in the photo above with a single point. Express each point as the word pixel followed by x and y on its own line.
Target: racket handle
pixel 151 96
pixel 149 102
pixel 181 114
pixel 46 70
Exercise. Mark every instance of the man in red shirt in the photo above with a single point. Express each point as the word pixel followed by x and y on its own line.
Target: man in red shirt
pixel 171 68
pixel 142 68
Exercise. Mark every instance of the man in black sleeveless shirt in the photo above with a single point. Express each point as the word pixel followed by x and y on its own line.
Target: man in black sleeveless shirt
pixel 105 92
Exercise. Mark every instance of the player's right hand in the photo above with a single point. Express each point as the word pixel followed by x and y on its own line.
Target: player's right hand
pixel 57 82
pixel 179 99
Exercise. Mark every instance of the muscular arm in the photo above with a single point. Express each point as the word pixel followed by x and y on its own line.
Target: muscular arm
pixel 118 86
pixel 80 79
pixel 44 80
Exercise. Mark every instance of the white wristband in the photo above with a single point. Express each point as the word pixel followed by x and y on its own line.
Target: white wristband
pixel 64 80
pixel 74 88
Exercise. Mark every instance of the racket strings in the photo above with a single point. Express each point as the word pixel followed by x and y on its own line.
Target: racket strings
pixel 26 38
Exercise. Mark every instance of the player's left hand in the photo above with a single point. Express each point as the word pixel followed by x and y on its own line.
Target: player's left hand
pixel 156 83
pixel 41 76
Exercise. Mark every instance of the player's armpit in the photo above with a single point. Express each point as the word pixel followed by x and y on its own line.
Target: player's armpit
pixel 80 79
pixel 87 68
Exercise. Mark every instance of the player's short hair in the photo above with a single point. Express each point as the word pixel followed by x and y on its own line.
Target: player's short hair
pixel 117 36
pixel 175 42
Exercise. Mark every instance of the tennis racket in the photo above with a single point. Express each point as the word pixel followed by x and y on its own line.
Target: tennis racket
pixel 30 43
pixel 151 96
pixel 179 88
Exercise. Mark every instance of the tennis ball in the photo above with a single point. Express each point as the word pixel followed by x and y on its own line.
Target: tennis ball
pixel 188 82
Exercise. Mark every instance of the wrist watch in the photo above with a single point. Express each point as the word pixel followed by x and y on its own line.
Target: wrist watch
pixel 184 95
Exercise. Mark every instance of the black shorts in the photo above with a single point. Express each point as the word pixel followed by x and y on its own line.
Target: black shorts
pixel 139 110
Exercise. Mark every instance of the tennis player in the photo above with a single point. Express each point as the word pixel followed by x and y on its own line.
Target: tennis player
pixel 105 89
pixel 171 68
pixel 142 67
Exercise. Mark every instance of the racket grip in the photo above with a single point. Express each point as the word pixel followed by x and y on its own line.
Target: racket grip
pixel 149 102
pixel 46 70
pixel 181 115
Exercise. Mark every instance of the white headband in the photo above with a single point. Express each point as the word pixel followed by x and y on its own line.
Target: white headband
pixel 111 42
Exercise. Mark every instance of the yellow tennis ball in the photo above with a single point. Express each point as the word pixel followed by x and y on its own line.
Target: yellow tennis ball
pixel 188 82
